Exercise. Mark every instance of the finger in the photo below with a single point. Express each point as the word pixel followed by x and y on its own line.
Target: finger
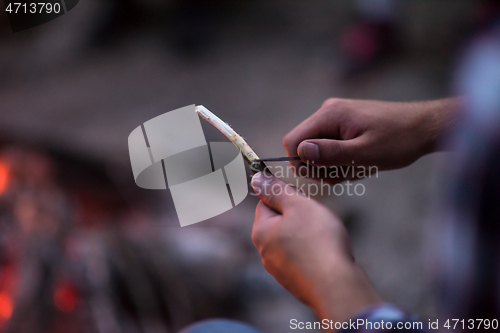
pixel 264 213
pixel 276 194
pixel 311 128
pixel 264 218
pixel 324 123
pixel 327 152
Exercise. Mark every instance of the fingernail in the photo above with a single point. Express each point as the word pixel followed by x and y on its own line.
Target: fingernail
pixel 260 181
pixel 310 151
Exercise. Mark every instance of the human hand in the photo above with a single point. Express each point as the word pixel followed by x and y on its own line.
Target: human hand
pixel 363 133
pixel 306 248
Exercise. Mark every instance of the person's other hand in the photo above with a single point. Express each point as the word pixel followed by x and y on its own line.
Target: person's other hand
pixel 306 248
pixel 365 133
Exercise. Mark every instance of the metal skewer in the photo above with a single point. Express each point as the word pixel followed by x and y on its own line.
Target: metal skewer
pixel 278 159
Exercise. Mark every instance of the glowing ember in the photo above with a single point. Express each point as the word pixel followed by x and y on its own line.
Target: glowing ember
pixel 65 297
pixel 4 177
pixel 6 306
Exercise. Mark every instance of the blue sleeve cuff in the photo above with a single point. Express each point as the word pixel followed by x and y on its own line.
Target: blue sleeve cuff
pixel 384 318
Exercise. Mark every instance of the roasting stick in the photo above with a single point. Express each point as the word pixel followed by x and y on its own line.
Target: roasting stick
pixel 248 154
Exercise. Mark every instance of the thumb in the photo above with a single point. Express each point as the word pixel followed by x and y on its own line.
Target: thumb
pixel 275 193
pixel 325 152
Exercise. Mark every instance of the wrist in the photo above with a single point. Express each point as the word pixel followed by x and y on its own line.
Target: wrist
pixel 344 291
pixel 438 117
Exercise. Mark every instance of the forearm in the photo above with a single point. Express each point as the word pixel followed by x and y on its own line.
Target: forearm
pixel 342 292
pixel 438 117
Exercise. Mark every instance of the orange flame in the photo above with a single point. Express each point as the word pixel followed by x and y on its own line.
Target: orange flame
pixel 4 177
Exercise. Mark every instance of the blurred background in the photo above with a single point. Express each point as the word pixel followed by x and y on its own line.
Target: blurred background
pixel 82 249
